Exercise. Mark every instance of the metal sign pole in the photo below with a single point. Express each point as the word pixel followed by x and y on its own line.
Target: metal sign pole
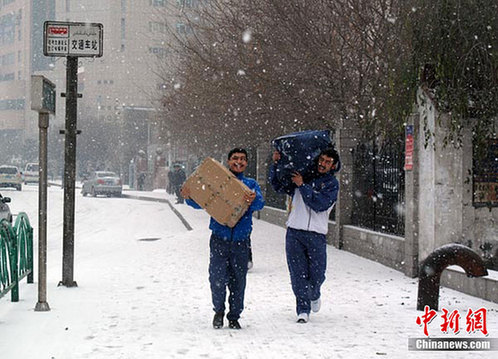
pixel 71 40
pixel 42 305
pixel 70 172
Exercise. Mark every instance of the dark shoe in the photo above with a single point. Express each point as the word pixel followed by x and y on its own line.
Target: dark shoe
pixel 218 320
pixel 234 324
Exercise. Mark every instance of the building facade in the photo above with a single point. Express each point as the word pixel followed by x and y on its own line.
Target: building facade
pixel 122 87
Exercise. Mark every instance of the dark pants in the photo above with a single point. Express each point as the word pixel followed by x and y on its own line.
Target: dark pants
pixel 228 267
pixel 249 248
pixel 307 260
pixel 179 197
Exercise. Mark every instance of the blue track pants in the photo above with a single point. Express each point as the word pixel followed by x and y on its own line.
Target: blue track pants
pixel 228 268
pixel 307 261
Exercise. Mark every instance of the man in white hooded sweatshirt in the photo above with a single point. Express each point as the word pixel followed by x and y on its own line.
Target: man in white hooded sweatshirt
pixel 305 242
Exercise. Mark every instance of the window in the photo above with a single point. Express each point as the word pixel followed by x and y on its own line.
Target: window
pixel 7 77
pixel 186 3
pixel 183 29
pixel 123 29
pixel 8 59
pixel 158 51
pixel 158 3
pixel 17 104
pixel 155 26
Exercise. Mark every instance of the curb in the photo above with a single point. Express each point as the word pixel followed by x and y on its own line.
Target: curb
pixel 162 200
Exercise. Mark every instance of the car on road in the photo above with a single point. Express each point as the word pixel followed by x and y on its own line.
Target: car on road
pixel 31 173
pixel 5 209
pixel 102 183
pixel 10 177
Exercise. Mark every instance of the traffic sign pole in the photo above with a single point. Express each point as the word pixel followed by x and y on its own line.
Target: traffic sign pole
pixel 71 40
pixel 70 172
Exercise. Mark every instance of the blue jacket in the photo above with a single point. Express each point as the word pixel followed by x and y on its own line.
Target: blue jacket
pixel 311 203
pixel 243 228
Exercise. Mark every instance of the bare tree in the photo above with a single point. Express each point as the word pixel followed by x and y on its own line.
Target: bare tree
pixel 250 70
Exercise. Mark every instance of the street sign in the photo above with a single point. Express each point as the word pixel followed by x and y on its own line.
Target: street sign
pixel 409 146
pixel 42 94
pixel 78 39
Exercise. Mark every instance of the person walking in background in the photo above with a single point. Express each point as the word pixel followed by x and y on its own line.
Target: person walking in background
pixel 307 225
pixel 177 178
pixel 229 251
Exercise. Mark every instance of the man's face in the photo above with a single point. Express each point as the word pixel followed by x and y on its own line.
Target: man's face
pixel 325 164
pixel 237 162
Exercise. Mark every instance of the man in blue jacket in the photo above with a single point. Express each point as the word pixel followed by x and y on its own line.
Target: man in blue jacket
pixel 305 243
pixel 229 252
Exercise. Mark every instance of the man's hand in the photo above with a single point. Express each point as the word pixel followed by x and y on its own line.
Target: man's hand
pixel 249 196
pixel 276 156
pixel 297 179
pixel 185 192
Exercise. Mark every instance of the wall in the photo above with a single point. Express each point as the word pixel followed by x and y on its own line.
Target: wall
pixel 379 247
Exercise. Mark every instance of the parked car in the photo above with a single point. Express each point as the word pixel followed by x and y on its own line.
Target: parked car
pixel 102 183
pixel 10 177
pixel 5 209
pixel 31 173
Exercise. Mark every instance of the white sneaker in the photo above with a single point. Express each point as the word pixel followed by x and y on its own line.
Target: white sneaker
pixel 315 305
pixel 303 317
pixel 249 265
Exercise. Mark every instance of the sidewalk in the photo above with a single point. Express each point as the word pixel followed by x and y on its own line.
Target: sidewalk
pixel 143 293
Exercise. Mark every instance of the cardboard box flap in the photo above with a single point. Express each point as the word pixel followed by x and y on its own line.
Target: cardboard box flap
pixel 218 191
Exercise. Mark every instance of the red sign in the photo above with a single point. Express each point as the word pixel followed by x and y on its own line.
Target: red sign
pixel 409 148
pixel 58 30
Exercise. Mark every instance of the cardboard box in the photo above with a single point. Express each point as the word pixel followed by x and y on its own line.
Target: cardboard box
pixel 218 191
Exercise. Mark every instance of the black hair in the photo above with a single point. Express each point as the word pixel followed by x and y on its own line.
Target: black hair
pixel 332 153
pixel 237 150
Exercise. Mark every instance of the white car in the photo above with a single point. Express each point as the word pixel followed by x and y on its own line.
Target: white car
pixel 31 173
pixel 10 177
pixel 104 183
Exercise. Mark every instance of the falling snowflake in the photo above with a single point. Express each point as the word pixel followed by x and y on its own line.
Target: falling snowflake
pixel 246 36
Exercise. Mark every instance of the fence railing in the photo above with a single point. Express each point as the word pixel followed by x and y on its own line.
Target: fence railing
pixel 379 188
pixel 16 255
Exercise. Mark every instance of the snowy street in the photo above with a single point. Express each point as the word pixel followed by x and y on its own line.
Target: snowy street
pixel 143 292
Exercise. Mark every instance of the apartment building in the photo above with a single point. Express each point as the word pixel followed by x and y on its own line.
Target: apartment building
pixel 122 86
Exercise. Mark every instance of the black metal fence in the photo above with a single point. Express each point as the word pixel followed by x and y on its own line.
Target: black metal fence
pixel 379 188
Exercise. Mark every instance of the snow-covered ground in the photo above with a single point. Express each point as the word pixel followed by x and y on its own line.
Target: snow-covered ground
pixel 143 293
